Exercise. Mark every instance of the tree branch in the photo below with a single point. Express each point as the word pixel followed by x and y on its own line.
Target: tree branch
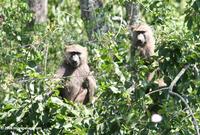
pixel 170 88
pixel 158 90
pixel 178 77
pixel 40 10
pixel 194 121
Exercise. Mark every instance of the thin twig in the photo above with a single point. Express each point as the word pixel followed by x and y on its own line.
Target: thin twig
pixel 158 90
pixel 46 58
pixel 121 21
pixel 196 71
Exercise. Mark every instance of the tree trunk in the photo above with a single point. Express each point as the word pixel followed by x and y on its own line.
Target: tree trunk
pixel 40 9
pixel 132 17
pixel 132 12
pixel 93 22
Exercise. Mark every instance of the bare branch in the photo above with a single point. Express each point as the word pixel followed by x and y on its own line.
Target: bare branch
pixel 178 77
pixel 158 90
pixel 196 71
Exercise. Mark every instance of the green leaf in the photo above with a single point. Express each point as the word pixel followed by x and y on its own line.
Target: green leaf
pixel 114 89
pixel 57 101
pixel 119 73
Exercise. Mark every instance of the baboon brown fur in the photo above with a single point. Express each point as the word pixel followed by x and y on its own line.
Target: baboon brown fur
pixel 143 39
pixel 159 81
pixel 79 83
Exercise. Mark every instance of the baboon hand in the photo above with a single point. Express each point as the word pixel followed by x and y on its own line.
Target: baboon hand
pixel 85 84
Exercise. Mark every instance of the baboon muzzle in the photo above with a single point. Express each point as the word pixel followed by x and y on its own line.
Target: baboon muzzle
pixel 75 60
pixel 141 39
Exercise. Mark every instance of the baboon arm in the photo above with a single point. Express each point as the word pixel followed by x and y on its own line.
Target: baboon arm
pixel 150 76
pixel 92 86
pixel 161 82
pixel 60 72
pixel 81 96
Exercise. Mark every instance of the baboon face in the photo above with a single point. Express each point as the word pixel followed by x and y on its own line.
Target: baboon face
pixel 141 38
pixel 74 59
pixel 75 55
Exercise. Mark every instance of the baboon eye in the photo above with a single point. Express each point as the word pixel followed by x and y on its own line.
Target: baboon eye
pixel 139 32
pixel 75 53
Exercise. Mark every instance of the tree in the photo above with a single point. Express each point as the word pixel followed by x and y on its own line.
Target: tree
pixel 40 10
pixel 93 20
pixel 132 12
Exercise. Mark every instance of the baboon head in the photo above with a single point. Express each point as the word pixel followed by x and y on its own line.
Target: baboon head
pixel 75 55
pixel 143 39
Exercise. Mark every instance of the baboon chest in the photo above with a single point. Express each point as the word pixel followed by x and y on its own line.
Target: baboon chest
pixel 77 77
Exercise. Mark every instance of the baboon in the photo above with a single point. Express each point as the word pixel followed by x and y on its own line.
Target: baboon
pixel 143 39
pixel 79 83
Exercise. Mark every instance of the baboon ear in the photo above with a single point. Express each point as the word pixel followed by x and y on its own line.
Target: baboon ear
pixel 66 48
pixel 85 49
pixel 134 27
pixel 131 28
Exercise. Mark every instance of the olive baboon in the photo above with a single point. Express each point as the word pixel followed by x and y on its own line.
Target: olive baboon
pixel 79 83
pixel 143 39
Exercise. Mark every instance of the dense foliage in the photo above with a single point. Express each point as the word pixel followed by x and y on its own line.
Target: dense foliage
pixel 29 56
